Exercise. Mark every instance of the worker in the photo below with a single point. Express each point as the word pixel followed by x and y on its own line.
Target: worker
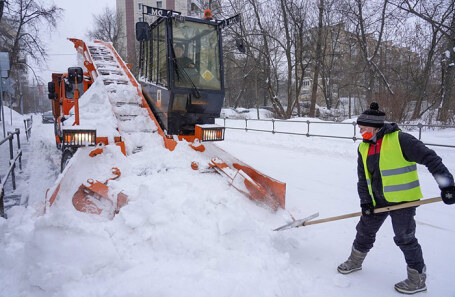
pixel 387 175
pixel 182 60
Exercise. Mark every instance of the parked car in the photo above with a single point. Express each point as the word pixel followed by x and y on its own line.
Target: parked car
pixel 48 117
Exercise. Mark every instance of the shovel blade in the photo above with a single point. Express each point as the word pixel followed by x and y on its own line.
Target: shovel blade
pixel 297 223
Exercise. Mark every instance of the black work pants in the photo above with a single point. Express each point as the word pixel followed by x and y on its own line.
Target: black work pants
pixel 404 227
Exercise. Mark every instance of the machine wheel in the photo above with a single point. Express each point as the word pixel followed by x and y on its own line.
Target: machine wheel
pixel 66 157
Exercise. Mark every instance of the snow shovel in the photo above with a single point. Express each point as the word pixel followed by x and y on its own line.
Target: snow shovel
pixel 307 221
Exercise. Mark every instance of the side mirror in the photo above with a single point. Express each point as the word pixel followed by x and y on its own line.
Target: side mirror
pixel 51 87
pixel 51 90
pixel 75 74
pixel 143 32
pixel 240 45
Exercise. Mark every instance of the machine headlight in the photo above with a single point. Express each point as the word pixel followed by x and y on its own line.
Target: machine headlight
pixel 79 137
pixel 209 132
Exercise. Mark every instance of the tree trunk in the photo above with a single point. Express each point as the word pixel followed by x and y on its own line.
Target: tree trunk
pixel 423 86
pixel 449 74
pixel 317 61
pixel 1 9
pixel 257 93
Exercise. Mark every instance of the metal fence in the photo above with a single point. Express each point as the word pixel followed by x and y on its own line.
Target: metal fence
pixel 306 131
pixel 28 127
pixel 13 159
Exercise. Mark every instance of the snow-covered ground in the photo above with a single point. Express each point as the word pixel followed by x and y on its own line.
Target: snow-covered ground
pixel 185 233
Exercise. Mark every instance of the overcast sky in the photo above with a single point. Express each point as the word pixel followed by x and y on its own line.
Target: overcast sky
pixel 75 22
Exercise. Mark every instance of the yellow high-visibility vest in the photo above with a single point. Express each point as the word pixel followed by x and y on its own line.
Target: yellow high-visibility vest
pixel 400 182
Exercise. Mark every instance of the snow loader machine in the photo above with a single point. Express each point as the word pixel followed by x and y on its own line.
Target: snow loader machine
pixel 180 89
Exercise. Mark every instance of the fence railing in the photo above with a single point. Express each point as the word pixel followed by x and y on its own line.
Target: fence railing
pixel 12 164
pixel 308 123
pixel 28 127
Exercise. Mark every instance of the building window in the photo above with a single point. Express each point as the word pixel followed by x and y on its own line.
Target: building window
pixel 139 6
pixel 159 4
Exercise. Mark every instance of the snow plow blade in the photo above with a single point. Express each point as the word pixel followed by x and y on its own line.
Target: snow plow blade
pixel 95 197
pixel 252 183
pixel 91 196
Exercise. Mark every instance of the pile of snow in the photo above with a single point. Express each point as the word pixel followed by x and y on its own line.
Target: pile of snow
pixel 95 111
pixel 246 113
pixel 358 105
pixel 9 112
pixel 13 119
pixel 186 233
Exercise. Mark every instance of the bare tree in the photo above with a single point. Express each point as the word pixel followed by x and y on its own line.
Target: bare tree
pixel 424 75
pixel 26 18
pixel 107 28
pixel 274 33
pixel 355 48
pixel 271 57
pixel 23 24
pixel 2 5
pixel 370 46
pixel 333 49
pixel 440 14
pixel 317 61
pixel 298 12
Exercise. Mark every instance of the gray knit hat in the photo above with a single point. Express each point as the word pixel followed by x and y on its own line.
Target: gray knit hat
pixel 372 117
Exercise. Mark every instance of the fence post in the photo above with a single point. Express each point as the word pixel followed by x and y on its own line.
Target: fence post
pixel 2 207
pixel 246 125
pixel 420 130
pixel 25 127
pixel 11 157
pixel 308 128
pixel 273 126
pixel 18 133
pixel 354 137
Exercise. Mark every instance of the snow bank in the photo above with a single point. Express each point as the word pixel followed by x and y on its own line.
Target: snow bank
pixel 245 113
pixel 185 233
pixel 95 110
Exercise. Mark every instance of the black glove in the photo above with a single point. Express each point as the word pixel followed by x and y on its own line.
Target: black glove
pixel 448 195
pixel 367 209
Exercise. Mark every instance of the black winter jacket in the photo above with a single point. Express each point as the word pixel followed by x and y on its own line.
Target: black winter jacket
pixel 413 151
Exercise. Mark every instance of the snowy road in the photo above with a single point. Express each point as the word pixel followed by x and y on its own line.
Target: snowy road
pixel 189 234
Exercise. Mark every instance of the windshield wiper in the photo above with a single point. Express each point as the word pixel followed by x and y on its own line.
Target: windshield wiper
pixel 180 69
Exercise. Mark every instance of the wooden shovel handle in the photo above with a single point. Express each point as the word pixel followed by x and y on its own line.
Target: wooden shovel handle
pixel 378 210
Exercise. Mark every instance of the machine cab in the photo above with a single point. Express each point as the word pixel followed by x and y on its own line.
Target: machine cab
pixel 181 69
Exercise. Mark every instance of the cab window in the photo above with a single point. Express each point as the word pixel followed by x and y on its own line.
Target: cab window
pixel 200 62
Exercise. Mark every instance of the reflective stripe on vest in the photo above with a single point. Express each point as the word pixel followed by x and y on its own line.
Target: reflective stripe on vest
pixel 400 181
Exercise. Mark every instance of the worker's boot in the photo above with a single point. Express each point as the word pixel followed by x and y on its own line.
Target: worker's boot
pixel 353 263
pixel 414 283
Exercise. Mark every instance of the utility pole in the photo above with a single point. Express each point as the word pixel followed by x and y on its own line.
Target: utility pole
pixel 1 100
pixel 34 99
pixel 4 68
pixel 20 97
